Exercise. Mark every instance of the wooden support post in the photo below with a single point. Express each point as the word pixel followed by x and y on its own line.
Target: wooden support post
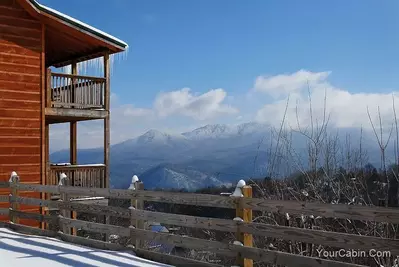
pixel 73 148
pixel 107 99
pixel 48 88
pixel 43 152
pixel 246 215
pixel 14 206
pixel 64 197
pixel 47 172
pixel 107 135
pixel 133 205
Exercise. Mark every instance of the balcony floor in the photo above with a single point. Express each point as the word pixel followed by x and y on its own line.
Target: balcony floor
pixel 61 115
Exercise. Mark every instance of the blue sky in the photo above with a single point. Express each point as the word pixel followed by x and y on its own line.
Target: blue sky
pixel 207 44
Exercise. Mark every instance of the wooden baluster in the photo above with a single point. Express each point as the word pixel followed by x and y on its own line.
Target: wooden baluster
pixel 96 93
pixel 87 92
pixel 58 90
pixel 90 92
pixel 83 92
pixel 59 98
pixel 103 94
pixel 63 90
pixel 70 89
pixel 79 92
pixel 82 82
pixel 82 88
pixel 88 177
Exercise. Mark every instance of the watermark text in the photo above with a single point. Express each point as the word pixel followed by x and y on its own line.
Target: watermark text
pixel 352 253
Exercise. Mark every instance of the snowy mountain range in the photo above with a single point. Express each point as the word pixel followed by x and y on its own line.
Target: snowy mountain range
pixel 212 155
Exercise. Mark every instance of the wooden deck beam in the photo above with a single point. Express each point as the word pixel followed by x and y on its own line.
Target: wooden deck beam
pixel 61 115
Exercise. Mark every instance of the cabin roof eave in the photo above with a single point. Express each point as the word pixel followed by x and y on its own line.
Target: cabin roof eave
pixel 83 41
pixel 79 24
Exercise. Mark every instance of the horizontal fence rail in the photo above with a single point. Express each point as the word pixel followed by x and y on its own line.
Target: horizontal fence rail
pixel 364 213
pixel 138 232
pixel 75 91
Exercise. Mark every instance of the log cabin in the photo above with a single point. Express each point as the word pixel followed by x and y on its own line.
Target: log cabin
pixel 35 41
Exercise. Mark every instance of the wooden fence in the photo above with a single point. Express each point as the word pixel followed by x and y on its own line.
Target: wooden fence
pixel 242 225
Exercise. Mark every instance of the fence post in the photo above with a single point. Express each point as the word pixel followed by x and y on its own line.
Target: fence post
pixel 133 204
pixel 14 180
pixel 139 206
pixel 244 215
pixel 64 197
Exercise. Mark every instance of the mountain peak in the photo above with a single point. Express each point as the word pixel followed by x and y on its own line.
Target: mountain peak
pixel 209 131
pixel 153 136
pixel 158 137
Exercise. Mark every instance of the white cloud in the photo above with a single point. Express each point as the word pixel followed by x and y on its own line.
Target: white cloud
pixel 199 107
pixel 128 120
pixel 284 84
pixel 345 108
pixel 183 109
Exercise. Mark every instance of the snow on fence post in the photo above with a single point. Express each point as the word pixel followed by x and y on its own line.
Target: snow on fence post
pixel 64 197
pixel 243 215
pixel 133 205
pixel 14 180
pixel 136 204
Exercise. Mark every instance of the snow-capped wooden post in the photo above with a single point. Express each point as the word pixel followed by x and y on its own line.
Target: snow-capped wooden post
pixel 133 205
pixel 64 197
pixel 243 215
pixel 14 180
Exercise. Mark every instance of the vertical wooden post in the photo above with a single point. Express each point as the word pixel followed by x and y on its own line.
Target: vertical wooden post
pixel 246 216
pixel 139 206
pixel 14 180
pixel 64 197
pixel 43 151
pixel 74 71
pixel 107 135
pixel 73 148
pixel 48 88
pixel 47 162
pixel 133 205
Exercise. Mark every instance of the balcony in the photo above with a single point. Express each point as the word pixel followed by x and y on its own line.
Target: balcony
pixel 74 97
pixel 79 175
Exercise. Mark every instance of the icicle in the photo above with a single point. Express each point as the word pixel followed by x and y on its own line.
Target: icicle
pixel 66 69
pixel 95 66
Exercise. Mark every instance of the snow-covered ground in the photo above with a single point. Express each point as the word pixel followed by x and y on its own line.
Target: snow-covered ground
pixel 20 250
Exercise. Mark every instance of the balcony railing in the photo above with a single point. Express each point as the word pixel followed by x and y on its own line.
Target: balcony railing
pixel 79 175
pixel 75 91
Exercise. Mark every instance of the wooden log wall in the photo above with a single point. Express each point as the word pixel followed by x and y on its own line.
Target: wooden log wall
pixel 20 102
